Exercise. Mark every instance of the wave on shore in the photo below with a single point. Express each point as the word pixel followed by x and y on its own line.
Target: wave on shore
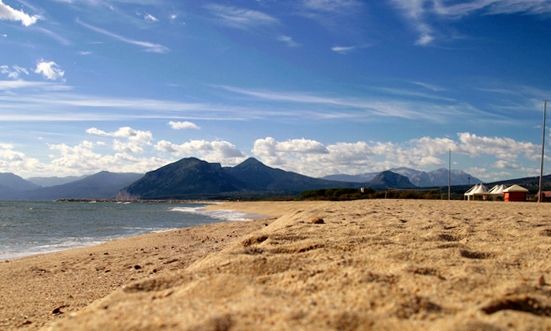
pixel 226 215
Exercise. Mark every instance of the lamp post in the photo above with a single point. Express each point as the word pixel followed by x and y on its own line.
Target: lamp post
pixel 540 186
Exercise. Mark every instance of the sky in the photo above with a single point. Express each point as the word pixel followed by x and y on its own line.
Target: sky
pixel 314 86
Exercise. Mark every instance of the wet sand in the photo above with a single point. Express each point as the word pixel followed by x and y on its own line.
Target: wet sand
pixel 362 265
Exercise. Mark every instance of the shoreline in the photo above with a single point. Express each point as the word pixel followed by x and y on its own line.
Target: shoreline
pixel 216 214
pixel 54 284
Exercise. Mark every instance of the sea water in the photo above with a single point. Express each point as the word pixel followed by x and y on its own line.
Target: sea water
pixel 28 228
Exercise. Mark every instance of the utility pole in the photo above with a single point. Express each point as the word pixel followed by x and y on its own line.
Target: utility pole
pixel 540 190
pixel 450 174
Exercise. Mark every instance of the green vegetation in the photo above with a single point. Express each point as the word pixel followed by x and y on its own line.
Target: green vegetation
pixel 341 194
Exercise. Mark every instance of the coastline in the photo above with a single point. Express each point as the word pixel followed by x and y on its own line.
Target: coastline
pixel 51 285
pixel 377 264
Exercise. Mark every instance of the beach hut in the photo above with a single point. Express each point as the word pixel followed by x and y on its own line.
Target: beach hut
pixel 515 193
pixel 479 190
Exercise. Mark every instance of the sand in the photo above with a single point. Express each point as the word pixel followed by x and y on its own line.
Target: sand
pixel 38 289
pixel 362 265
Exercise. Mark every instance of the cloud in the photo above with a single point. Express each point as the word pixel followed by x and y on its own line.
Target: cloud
pixel 12 160
pixel 146 45
pixel 150 18
pixel 420 12
pixel 287 40
pixel 330 6
pixel 6 85
pixel 10 14
pixel 183 125
pixel 213 151
pixel 317 159
pixel 343 50
pixel 240 18
pixel 49 69
pixel 133 140
pixel 13 72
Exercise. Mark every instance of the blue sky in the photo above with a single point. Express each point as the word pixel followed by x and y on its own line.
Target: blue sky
pixel 315 86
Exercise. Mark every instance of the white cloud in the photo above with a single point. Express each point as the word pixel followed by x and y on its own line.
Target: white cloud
pixel 330 5
pixel 133 140
pixel 420 12
pixel 146 45
pixel 13 72
pixel 150 18
pixel 84 53
pixel 14 161
pixel 316 159
pixel 343 50
pixel 288 40
pixel 10 14
pixel 213 151
pixel 50 70
pixel 240 18
pixel 183 125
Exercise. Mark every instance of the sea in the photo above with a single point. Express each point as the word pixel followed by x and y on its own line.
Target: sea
pixel 29 228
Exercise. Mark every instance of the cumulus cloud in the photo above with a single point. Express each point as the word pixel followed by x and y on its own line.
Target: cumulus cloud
pixel 133 141
pixel 316 159
pixel 183 125
pixel 10 14
pixel 15 161
pixel 213 151
pixel 84 159
pixel 49 70
pixel 150 18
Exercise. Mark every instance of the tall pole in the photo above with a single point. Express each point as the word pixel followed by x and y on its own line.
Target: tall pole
pixel 540 191
pixel 450 174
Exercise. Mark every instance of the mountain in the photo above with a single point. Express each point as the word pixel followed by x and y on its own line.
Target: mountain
pixel 15 183
pixel 185 178
pixel 361 178
pixel 103 185
pixel 418 178
pixel 439 177
pixel 194 178
pixel 53 181
pixel 256 176
pixel 389 179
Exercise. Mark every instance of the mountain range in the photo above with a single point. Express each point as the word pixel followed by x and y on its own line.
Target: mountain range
pixel 435 178
pixel 192 178
pixel 103 185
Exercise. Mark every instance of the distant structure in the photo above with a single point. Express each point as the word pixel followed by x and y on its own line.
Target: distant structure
pixel 540 186
pixel 478 191
pixel 515 193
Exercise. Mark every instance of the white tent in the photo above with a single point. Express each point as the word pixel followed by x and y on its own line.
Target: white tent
pixel 497 190
pixel 477 190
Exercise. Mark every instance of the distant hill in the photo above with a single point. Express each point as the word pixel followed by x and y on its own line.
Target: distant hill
pixel 189 177
pixel 53 181
pixel 103 185
pixel 15 183
pixel 194 178
pixel 361 178
pixel 389 179
pixel 418 178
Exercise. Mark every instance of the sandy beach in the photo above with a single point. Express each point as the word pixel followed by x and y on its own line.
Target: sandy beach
pixel 361 265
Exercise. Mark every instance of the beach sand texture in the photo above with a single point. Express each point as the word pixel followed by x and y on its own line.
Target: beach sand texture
pixel 378 264
pixel 384 265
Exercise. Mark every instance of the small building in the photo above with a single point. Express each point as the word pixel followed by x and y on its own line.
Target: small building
pixel 515 193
